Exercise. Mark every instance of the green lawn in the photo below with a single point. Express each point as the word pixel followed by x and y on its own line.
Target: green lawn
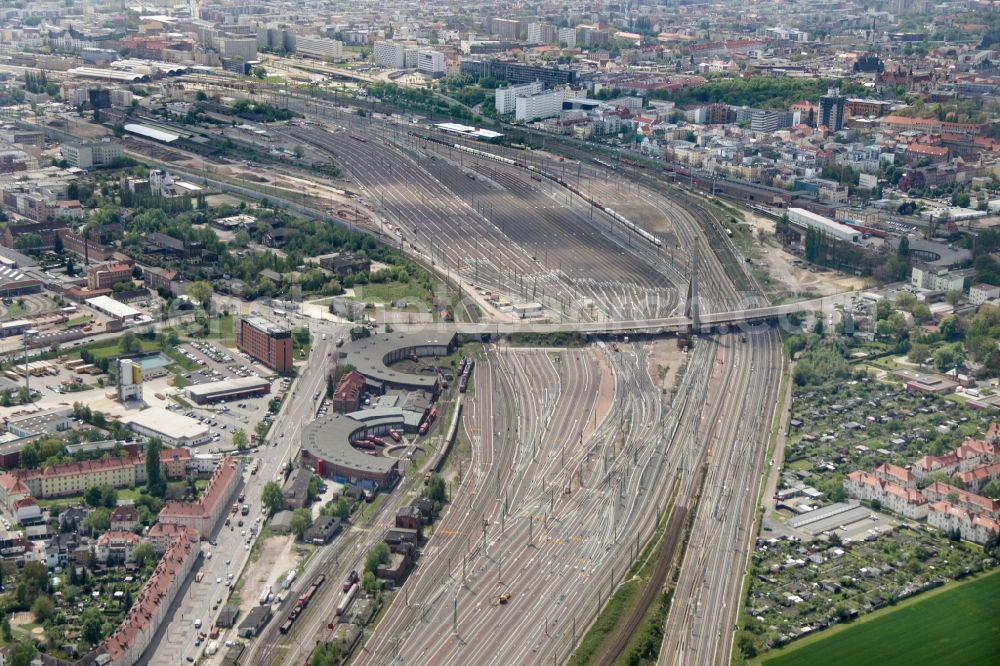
pixel 223 330
pixel 111 348
pixel 958 625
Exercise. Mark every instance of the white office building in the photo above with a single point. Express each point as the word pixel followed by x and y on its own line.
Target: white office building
pixel 430 62
pixel 567 36
pixel 319 48
pixel 540 106
pixel 390 55
pixel 506 97
pixel 87 155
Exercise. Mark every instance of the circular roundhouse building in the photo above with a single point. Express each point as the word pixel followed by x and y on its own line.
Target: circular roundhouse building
pixel 327 442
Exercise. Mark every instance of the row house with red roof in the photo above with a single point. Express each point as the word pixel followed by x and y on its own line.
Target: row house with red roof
pixel 894 497
pixel 971 454
pixel 889 473
pixel 940 492
pixel 974 479
pixel 204 514
pixel 953 518
pixel 125 647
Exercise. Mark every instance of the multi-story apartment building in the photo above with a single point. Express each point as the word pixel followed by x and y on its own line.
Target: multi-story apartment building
pixel 319 48
pixel 539 106
pixel 129 641
pixel 390 55
pixel 970 526
pixel 832 106
pixel 204 514
pixel 505 98
pixel 430 62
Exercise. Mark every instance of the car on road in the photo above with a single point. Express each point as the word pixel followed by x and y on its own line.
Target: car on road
pixel 219 579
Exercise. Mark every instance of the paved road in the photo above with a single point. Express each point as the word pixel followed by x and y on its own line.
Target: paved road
pixel 175 640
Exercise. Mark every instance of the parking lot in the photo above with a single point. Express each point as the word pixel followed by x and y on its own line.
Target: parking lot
pixel 217 363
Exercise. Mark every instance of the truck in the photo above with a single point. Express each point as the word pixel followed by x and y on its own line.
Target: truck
pixel 265 596
pixel 289 579
pixel 346 600
pixel 212 648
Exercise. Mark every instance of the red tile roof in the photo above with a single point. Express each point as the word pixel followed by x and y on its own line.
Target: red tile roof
pixel 160 588
pixel 895 472
pixel 214 493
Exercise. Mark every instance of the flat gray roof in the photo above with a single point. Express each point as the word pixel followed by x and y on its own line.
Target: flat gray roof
pixel 329 438
pixel 368 356
pixel 265 325
pixel 227 386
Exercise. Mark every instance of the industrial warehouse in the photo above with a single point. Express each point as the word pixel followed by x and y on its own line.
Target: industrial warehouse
pixel 229 389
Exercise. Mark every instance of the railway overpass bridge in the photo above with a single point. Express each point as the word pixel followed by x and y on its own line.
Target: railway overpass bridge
pixel 748 320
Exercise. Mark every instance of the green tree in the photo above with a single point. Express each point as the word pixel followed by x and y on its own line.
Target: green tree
pixel 155 482
pixel 98 521
pixel 377 556
pixel 43 609
pixel 22 653
pixel 260 72
pixel 947 357
pixel 92 626
pixel 240 439
pixel 5 631
pixel 991 489
pixel 370 583
pixel 325 654
pixel 301 521
pixel 92 496
pixel 144 553
pixel 436 489
pixel 919 352
pixel 201 292
pixel 109 497
pixel 33 580
pixel 272 497
pixel 129 343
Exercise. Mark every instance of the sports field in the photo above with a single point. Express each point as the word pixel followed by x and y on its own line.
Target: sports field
pixel 957 626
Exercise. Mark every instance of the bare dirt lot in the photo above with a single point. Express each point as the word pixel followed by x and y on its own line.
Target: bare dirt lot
pixel 278 556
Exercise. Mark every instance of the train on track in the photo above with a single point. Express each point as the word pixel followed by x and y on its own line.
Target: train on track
pixel 464 370
pixel 301 603
pixel 617 217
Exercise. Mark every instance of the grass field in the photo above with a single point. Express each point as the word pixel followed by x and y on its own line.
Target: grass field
pixel 957 625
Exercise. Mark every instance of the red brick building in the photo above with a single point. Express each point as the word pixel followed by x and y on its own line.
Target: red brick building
pixel 347 397
pixel 265 341
pixel 105 276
